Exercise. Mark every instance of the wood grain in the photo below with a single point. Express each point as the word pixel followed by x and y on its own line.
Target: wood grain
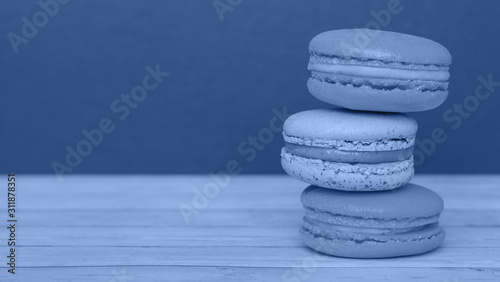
pixel 129 228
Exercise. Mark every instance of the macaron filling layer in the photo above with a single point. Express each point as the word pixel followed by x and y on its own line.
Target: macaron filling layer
pixel 379 83
pixel 369 222
pixel 364 230
pixel 426 233
pixel 385 79
pixel 381 72
pixel 318 58
pixel 353 145
pixel 336 155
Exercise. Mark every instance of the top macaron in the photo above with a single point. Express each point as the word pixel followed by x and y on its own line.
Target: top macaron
pixel 373 70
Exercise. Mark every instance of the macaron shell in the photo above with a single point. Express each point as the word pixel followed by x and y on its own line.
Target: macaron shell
pixel 366 98
pixel 380 45
pixel 408 202
pixel 348 177
pixel 371 249
pixel 341 124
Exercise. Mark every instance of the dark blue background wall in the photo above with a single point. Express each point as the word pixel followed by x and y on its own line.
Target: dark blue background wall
pixel 225 79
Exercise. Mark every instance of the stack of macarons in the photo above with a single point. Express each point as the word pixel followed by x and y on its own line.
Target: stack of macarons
pixel 358 158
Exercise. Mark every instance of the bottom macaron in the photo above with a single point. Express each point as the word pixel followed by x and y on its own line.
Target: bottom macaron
pixel 379 224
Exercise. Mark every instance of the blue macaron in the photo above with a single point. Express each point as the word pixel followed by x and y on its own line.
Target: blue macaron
pixel 380 224
pixel 348 150
pixel 374 70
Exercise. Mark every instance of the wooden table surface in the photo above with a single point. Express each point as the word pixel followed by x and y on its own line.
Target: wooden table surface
pixel 129 228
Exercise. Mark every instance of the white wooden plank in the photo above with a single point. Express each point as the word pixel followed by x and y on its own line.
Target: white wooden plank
pixel 258 192
pixel 242 257
pixel 179 183
pixel 457 237
pixel 300 272
pixel 215 218
pixel 248 232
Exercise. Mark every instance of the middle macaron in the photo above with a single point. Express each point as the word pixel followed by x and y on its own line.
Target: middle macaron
pixel 348 150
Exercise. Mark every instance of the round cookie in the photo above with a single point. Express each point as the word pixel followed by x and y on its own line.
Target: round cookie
pixel 379 224
pixel 373 70
pixel 347 150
